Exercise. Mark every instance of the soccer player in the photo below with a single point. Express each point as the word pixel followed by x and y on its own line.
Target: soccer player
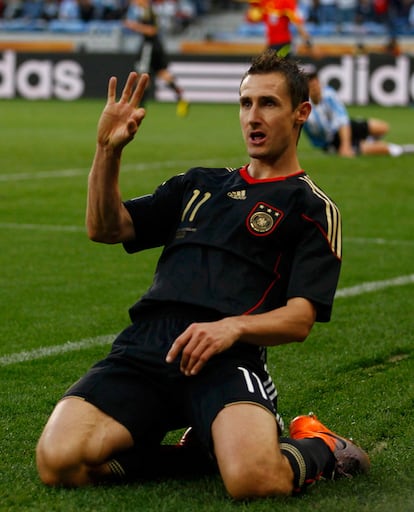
pixel 251 260
pixel 279 17
pixel 142 19
pixel 330 128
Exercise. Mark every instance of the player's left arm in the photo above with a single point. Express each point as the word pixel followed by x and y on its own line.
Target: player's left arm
pixel 296 19
pixel 300 27
pixel 200 341
pixel 315 273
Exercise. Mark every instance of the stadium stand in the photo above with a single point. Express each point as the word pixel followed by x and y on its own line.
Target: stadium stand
pixel 202 26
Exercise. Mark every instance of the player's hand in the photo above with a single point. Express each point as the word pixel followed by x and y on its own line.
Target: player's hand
pixel 150 30
pixel 120 120
pixel 346 150
pixel 200 341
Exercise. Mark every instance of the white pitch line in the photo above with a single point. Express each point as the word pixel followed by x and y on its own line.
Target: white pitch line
pixel 374 286
pixel 180 165
pixel 70 346
pixel 82 229
pixel 42 227
pixel 378 241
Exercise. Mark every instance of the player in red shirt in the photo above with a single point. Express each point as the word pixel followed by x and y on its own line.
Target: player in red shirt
pixel 279 16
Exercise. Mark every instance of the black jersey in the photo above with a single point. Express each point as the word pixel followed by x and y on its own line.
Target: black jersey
pixel 238 245
pixel 146 15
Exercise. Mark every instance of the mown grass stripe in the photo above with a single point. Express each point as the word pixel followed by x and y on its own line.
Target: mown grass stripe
pixel 70 346
pixel 54 227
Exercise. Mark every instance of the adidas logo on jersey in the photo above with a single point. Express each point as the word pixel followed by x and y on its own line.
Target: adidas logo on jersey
pixel 238 194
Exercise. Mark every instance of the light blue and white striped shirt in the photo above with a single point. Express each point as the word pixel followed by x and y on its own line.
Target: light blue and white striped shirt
pixel 326 118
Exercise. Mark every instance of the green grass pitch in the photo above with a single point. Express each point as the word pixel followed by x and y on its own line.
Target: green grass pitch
pixel 356 372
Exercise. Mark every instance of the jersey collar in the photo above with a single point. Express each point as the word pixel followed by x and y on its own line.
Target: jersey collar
pixel 244 173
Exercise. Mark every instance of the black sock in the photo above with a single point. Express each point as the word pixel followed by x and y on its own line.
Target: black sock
pixel 164 461
pixel 172 85
pixel 310 459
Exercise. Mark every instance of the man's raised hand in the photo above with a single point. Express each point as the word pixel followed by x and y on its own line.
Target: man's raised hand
pixel 120 120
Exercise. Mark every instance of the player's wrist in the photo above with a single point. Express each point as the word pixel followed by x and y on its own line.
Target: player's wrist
pixel 107 150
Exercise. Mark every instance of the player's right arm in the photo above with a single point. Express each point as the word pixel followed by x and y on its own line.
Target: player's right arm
pixel 340 119
pixel 345 141
pixel 141 28
pixel 107 219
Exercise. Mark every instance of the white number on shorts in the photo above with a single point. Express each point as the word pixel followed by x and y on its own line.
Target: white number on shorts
pixel 249 382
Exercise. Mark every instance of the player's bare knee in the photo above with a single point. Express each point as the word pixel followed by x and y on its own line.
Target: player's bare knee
pixel 260 481
pixel 56 465
pixel 47 466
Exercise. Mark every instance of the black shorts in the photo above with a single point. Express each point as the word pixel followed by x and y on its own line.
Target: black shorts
pixel 359 132
pixel 282 49
pixel 152 56
pixel 150 397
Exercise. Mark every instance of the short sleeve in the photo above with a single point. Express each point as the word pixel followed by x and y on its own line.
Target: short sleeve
pixel 155 216
pixel 317 260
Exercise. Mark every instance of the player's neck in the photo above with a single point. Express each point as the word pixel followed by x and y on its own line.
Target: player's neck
pixel 261 170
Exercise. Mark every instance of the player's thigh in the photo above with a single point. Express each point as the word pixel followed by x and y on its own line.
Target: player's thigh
pixel 230 380
pixel 245 435
pixel 247 449
pixel 78 431
pixel 377 127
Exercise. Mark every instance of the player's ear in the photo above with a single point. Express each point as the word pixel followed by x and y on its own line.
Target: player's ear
pixel 302 112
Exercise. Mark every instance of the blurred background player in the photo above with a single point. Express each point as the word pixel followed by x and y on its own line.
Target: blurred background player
pixel 280 17
pixel 142 19
pixel 330 128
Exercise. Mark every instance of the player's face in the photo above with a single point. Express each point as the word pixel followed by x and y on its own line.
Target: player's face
pixel 315 92
pixel 267 119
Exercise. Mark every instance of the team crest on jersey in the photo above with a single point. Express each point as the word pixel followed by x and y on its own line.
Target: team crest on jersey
pixel 263 219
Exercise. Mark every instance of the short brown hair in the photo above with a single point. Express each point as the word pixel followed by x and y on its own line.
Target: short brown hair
pixel 296 79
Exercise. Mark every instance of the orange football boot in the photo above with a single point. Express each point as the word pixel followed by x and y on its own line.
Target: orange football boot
pixel 350 458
